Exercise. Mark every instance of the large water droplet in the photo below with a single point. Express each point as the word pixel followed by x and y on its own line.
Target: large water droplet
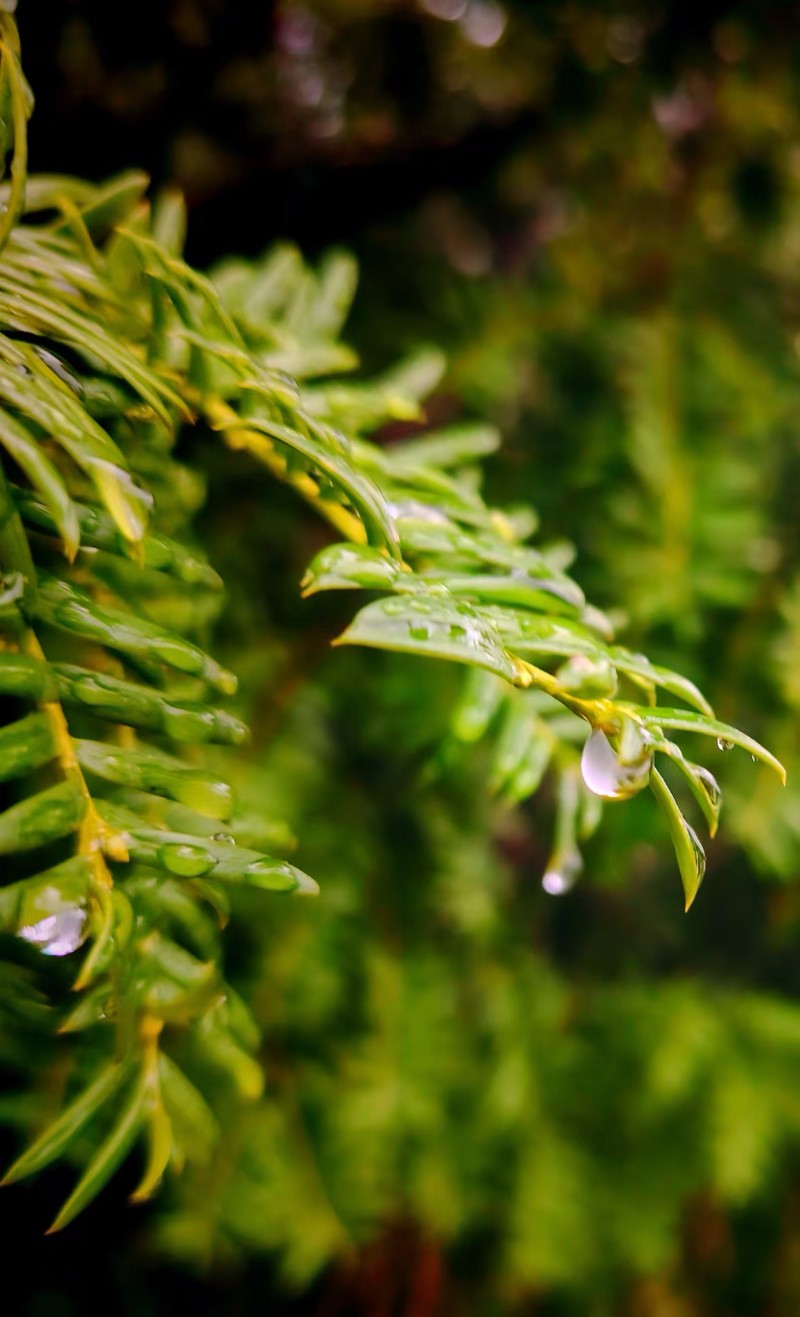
pixel 184 724
pixel 563 872
pixel 57 935
pixel 185 860
pixel 277 875
pixel 606 775
pixel 722 744
pixel 204 795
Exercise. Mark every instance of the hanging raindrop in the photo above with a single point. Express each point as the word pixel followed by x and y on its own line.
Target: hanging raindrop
pixel 57 935
pixel 606 775
pixel 563 872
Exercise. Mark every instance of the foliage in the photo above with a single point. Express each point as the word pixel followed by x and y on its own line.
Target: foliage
pixel 428 1059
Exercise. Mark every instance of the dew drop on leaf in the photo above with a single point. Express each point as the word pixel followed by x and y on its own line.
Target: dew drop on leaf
pixel 606 776
pixel 57 935
pixel 186 861
pixel 722 744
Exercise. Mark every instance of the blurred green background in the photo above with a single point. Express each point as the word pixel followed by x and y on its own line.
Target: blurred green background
pixel 482 1099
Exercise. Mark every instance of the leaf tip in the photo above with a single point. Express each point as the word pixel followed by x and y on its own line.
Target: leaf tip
pixel 144 1192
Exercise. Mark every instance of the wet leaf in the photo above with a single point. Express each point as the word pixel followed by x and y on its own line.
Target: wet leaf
pixel 702 784
pixel 44 478
pixel 362 493
pixel 98 531
pixel 683 720
pixel 153 770
pixel 688 850
pixel 26 745
pixel 434 628
pixel 352 567
pixel 68 609
pixel 41 818
pixel 118 701
pixel 637 665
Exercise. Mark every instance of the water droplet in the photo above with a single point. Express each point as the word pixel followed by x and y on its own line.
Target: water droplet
pixel 185 860
pixel 710 785
pixel 563 872
pixel 606 775
pixel 57 935
pixel 224 839
pixel 207 797
pixel 722 744
pixel 278 876
pixel 691 882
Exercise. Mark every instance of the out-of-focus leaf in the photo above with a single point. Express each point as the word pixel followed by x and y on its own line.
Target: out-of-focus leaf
pixel 153 770
pixel 40 818
pixel 68 609
pixel 98 531
pixel 25 745
pixel 106 1160
pixel 53 1142
pixel 115 700
pixel 45 479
